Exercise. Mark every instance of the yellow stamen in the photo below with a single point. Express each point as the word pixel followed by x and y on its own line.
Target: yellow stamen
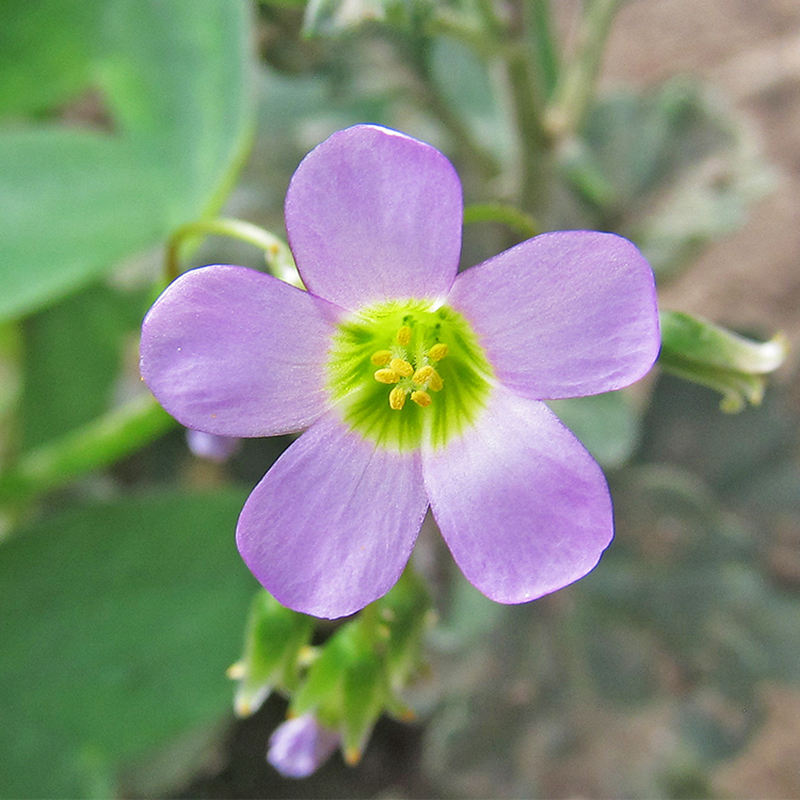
pixel 404 335
pixel 422 399
pixel 397 398
pixel 386 376
pixel 435 382
pixel 381 357
pixel 352 755
pixel 437 352
pixel 401 367
pixel 423 374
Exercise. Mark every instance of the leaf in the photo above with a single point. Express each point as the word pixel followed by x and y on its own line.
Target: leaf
pixel 671 169
pixel 37 79
pixel 606 424
pixel 71 359
pixel 173 79
pixel 117 621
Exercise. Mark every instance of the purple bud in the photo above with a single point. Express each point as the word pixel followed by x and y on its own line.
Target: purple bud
pixel 211 446
pixel 298 747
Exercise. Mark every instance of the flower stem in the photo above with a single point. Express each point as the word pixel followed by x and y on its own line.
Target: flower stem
pixel 520 222
pixel 276 252
pixel 576 86
pixel 542 43
pixel 429 95
pixel 526 94
pixel 97 444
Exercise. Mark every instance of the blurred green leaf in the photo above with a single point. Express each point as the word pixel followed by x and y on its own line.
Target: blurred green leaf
pixel 732 452
pixel 46 51
pixel 172 80
pixel 117 621
pixel 671 169
pixel 683 571
pixel 72 354
pixel 606 424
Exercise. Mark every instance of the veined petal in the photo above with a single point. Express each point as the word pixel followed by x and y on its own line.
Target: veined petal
pixel 374 215
pixel 522 505
pixel 564 314
pixel 332 524
pixel 235 352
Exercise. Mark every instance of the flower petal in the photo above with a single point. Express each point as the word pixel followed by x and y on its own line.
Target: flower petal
pixel 235 352
pixel 374 215
pixel 522 505
pixel 565 314
pixel 332 524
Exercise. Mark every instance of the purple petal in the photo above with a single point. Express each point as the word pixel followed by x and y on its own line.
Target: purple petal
pixel 372 215
pixel 235 352
pixel 522 505
pixel 298 747
pixel 565 314
pixel 332 524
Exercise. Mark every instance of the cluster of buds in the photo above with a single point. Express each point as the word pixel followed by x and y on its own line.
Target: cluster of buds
pixel 338 689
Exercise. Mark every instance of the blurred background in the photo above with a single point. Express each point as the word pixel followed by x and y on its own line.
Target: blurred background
pixel 670 671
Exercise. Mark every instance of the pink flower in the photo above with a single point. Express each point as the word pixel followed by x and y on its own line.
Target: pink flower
pixel 418 387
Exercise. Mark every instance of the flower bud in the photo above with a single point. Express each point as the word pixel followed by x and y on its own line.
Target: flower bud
pixel 298 747
pixel 700 351
pixel 211 446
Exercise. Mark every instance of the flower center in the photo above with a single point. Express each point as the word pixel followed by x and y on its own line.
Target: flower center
pixel 405 374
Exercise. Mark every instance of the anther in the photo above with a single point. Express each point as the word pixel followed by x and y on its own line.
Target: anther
pixel 421 398
pixel 404 335
pixel 381 357
pixel 386 376
pixel 401 367
pixel 437 352
pixel 435 381
pixel 397 398
pixel 423 374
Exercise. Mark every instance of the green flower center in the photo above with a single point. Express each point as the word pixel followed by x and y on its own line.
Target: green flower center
pixel 405 374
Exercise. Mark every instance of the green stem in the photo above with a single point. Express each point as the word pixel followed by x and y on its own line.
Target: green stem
pixel 415 54
pixel 520 222
pixel 525 91
pixel 576 88
pixel 542 43
pixel 101 442
pixel 276 252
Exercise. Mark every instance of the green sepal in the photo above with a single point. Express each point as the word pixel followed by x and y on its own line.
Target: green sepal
pixel 361 669
pixel 363 698
pixel 320 691
pixel 699 351
pixel 406 611
pixel 274 639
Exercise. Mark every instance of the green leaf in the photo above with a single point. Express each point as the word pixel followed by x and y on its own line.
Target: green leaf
pixel 174 80
pixel 117 621
pixel 606 424
pixel 671 169
pixel 36 78
pixel 72 354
